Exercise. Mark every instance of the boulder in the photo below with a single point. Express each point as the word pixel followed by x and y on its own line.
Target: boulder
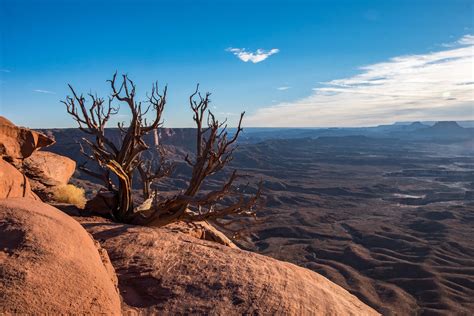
pixel 161 272
pixel 13 183
pixel 50 265
pixel 17 143
pixel 47 170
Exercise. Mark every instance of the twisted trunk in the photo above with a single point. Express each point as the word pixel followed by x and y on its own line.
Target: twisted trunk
pixel 124 208
pixel 214 148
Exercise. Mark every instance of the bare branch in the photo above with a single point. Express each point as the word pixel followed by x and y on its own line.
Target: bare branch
pixel 213 152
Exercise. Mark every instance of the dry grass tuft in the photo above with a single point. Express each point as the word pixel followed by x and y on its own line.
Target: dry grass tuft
pixel 70 194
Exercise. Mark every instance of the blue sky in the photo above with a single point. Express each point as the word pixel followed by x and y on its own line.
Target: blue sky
pixel 328 61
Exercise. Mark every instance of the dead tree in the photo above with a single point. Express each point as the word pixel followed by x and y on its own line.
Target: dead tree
pixel 147 176
pixel 124 160
pixel 214 150
pixel 119 162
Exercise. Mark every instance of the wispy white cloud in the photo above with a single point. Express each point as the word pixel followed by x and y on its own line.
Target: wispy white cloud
pixel 254 57
pixel 283 88
pixel 432 86
pixel 465 40
pixel 44 91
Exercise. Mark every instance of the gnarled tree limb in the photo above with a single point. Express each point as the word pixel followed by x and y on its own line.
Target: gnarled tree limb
pixel 214 149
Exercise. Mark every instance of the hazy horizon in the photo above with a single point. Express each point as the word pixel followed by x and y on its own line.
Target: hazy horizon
pixel 429 123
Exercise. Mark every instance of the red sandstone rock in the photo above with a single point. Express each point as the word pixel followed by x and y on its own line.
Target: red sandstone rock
pixel 19 143
pixel 201 230
pixel 161 272
pixel 49 168
pixel 46 171
pixel 13 183
pixel 50 265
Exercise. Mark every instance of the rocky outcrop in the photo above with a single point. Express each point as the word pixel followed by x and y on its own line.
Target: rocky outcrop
pixel 103 203
pixel 50 265
pixel 201 230
pixel 161 272
pixel 47 170
pixel 44 170
pixel 17 143
pixel 13 183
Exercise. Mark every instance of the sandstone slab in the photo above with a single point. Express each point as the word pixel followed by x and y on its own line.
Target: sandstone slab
pixel 161 272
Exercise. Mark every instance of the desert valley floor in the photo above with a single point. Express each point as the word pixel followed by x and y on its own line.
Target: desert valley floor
pixel 391 223
pixel 389 220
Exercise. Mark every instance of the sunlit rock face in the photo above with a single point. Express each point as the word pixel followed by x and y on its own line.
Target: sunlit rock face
pixel 50 265
pixel 17 143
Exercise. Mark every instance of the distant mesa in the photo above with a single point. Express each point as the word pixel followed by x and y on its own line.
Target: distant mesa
pixel 417 125
pixel 447 130
pixel 429 131
pixel 447 125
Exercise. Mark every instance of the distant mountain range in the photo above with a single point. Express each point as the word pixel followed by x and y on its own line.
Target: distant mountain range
pixel 183 139
pixel 417 131
pixel 466 124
